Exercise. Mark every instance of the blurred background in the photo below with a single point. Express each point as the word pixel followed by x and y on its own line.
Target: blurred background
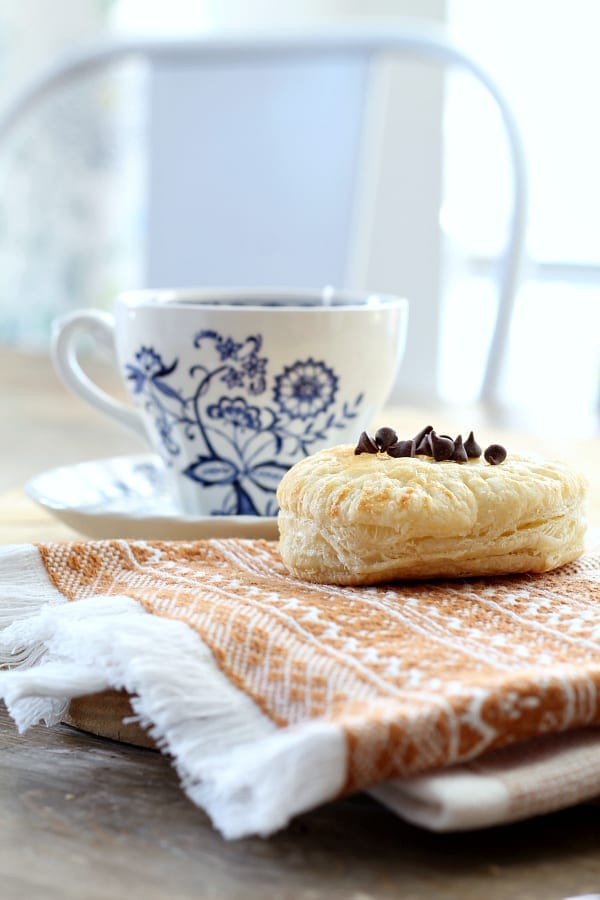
pixel 79 182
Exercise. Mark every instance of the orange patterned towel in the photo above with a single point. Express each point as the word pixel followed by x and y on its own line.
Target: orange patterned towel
pixel 273 695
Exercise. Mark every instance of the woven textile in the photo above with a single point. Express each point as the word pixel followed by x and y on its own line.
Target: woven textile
pixel 411 678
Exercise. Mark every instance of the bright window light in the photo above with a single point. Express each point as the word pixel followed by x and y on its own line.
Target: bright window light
pixel 544 56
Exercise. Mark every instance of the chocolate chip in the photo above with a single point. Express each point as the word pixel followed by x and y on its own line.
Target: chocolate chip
pixel 443 447
pixel 365 445
pixel 495 454
pixel 424 447
pixel 385 437
pixel 424 431
pixel 401 448
pixel 460 454
pixel 472 447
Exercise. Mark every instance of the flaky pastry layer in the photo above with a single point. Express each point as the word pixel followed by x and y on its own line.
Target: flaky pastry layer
pixel 347 519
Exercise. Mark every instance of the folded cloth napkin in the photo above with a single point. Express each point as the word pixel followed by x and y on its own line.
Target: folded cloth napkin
pixel 273 695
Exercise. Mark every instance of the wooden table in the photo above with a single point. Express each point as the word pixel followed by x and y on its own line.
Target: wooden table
pixel 84 817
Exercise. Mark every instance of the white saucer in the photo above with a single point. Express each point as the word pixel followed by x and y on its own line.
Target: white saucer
pixel 126 497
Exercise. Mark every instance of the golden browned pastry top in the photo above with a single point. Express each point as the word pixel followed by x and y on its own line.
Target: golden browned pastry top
pixel 363 517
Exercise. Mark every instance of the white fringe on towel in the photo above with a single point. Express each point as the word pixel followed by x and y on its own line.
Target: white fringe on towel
pixel 249 776
pixel 24 585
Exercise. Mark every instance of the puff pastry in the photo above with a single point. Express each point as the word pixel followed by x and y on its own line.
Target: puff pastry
pixel 363 519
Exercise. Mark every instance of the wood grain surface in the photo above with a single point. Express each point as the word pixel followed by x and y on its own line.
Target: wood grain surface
pixel 108 715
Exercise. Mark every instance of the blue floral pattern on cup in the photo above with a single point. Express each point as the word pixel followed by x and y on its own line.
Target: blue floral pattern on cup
pixel 248 429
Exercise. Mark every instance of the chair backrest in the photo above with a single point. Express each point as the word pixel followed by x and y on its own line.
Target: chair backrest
pixel 252 168
pixel 259 150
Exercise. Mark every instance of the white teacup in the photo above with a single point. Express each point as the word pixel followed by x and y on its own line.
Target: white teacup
pixel 232 387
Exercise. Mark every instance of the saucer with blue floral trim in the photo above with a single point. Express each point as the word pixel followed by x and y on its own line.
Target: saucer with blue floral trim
pixel 127 497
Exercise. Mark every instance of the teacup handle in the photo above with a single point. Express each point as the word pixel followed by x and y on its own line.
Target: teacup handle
pixel 100 326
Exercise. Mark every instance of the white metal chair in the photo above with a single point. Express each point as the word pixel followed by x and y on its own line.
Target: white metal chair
pixel 261 151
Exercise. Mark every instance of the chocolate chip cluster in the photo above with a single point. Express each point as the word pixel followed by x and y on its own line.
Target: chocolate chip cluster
pixel 429 443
